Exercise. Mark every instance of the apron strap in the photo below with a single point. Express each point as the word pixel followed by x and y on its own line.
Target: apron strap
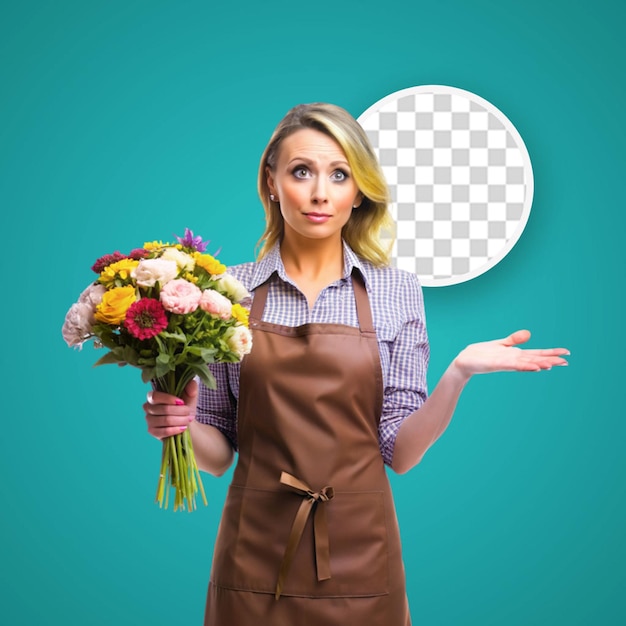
pixel 363 309
pixel 258 303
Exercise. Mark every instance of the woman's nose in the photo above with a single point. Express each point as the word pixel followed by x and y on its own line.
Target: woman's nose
pixel 319 192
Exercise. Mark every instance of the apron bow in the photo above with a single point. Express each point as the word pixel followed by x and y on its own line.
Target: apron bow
pixel 312 500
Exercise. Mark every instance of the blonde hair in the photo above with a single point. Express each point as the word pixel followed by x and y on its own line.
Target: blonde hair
pixel 370 229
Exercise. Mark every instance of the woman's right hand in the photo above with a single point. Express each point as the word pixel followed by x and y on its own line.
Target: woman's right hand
pixel 168 415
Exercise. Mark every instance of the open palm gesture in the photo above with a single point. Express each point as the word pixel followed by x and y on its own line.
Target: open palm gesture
pixel 504 355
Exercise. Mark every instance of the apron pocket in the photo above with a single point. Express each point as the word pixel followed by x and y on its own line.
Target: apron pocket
pixel 255 529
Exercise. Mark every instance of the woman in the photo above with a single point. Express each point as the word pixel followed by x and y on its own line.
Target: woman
pixel 334 388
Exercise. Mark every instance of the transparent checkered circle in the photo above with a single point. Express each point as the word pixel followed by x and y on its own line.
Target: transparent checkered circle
pixel 460 178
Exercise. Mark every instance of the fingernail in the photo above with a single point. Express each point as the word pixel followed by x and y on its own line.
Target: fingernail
pixel 183 429
pixel 192 418
pixel 179 402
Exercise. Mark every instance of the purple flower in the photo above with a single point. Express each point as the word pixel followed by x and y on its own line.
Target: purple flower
pixel 189 241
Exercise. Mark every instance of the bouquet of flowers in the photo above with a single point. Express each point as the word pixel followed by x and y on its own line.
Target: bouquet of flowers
pixel 168 309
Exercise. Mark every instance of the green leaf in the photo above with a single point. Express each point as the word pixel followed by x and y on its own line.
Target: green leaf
pixel 163 359
pixel 206 354
pixel 162 368
pixel 130 355
pixel 106 336
pixel 146 362
pixel 205 375
pixel 108 358
pixel 181 337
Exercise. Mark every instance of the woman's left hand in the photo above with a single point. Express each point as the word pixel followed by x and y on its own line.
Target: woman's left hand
pixel 504 355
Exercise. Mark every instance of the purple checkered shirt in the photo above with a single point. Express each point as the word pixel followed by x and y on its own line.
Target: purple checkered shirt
pixel 398 313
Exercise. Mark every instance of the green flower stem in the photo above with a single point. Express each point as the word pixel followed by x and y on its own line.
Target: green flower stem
pixel 171 444
pixel 189 468
pixel 179 469
pixel 162 477
pixel 182 468
pixel 196 472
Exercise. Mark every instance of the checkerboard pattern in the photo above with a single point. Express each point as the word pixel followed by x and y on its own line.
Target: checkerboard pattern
pixel 460 179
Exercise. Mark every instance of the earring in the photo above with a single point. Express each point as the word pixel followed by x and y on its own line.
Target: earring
pixel 273 198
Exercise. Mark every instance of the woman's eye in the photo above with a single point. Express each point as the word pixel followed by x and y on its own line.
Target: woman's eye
pixel 301 172
pixel 339 175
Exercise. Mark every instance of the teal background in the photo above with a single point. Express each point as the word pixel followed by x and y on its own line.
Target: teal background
pixel 128 121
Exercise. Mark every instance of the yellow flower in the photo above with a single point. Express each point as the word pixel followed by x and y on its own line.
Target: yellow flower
pixel 115 303
pixel 119 269
pixel 241 314
pixel 209 264
pixel 190 277
pixel 155 245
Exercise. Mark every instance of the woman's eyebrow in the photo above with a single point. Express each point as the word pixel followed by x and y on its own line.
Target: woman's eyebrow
pixel 307 161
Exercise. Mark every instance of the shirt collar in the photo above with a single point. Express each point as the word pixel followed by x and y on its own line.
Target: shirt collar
pixel 272 262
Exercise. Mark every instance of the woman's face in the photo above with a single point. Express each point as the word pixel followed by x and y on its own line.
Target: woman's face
pixel 313 184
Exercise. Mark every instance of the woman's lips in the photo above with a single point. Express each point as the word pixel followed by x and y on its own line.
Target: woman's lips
pixel 318 218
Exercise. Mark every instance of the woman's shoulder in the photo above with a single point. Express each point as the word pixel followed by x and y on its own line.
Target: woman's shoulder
pixel 389 277
pixel 396 294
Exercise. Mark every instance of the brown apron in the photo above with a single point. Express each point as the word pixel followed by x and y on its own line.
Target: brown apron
pixel 309 535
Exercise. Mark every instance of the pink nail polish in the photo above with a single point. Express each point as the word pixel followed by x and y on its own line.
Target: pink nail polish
pixel 179 402
pixel 183 429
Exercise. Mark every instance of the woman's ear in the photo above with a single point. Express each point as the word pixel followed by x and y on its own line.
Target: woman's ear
pixel 270 180
pixel 357 201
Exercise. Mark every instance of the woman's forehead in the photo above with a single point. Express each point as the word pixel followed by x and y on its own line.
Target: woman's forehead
pixel 310 144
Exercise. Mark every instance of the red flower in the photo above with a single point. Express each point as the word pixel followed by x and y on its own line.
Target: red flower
pixel 138 253
pixel 107 259
pixel 145 318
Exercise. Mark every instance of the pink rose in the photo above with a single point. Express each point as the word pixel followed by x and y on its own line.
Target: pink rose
pixel 216 304
pixel 180 296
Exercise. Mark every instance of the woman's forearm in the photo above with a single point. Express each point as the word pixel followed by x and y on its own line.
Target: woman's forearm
pixel 214 453
pixel 423 427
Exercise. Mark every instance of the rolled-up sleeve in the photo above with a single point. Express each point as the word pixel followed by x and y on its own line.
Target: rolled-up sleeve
pixel 218 407
pixel 406 362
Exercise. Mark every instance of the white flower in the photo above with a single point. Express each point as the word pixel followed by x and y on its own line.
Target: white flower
pixel 93 295
pixel 184 261
pixel 77 327
pixel 239 340
pixel 216 304
pixel 151 271
pixel 231 287
pixel 79 321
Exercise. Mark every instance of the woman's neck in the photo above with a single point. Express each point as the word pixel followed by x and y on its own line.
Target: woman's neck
pixel 312 264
